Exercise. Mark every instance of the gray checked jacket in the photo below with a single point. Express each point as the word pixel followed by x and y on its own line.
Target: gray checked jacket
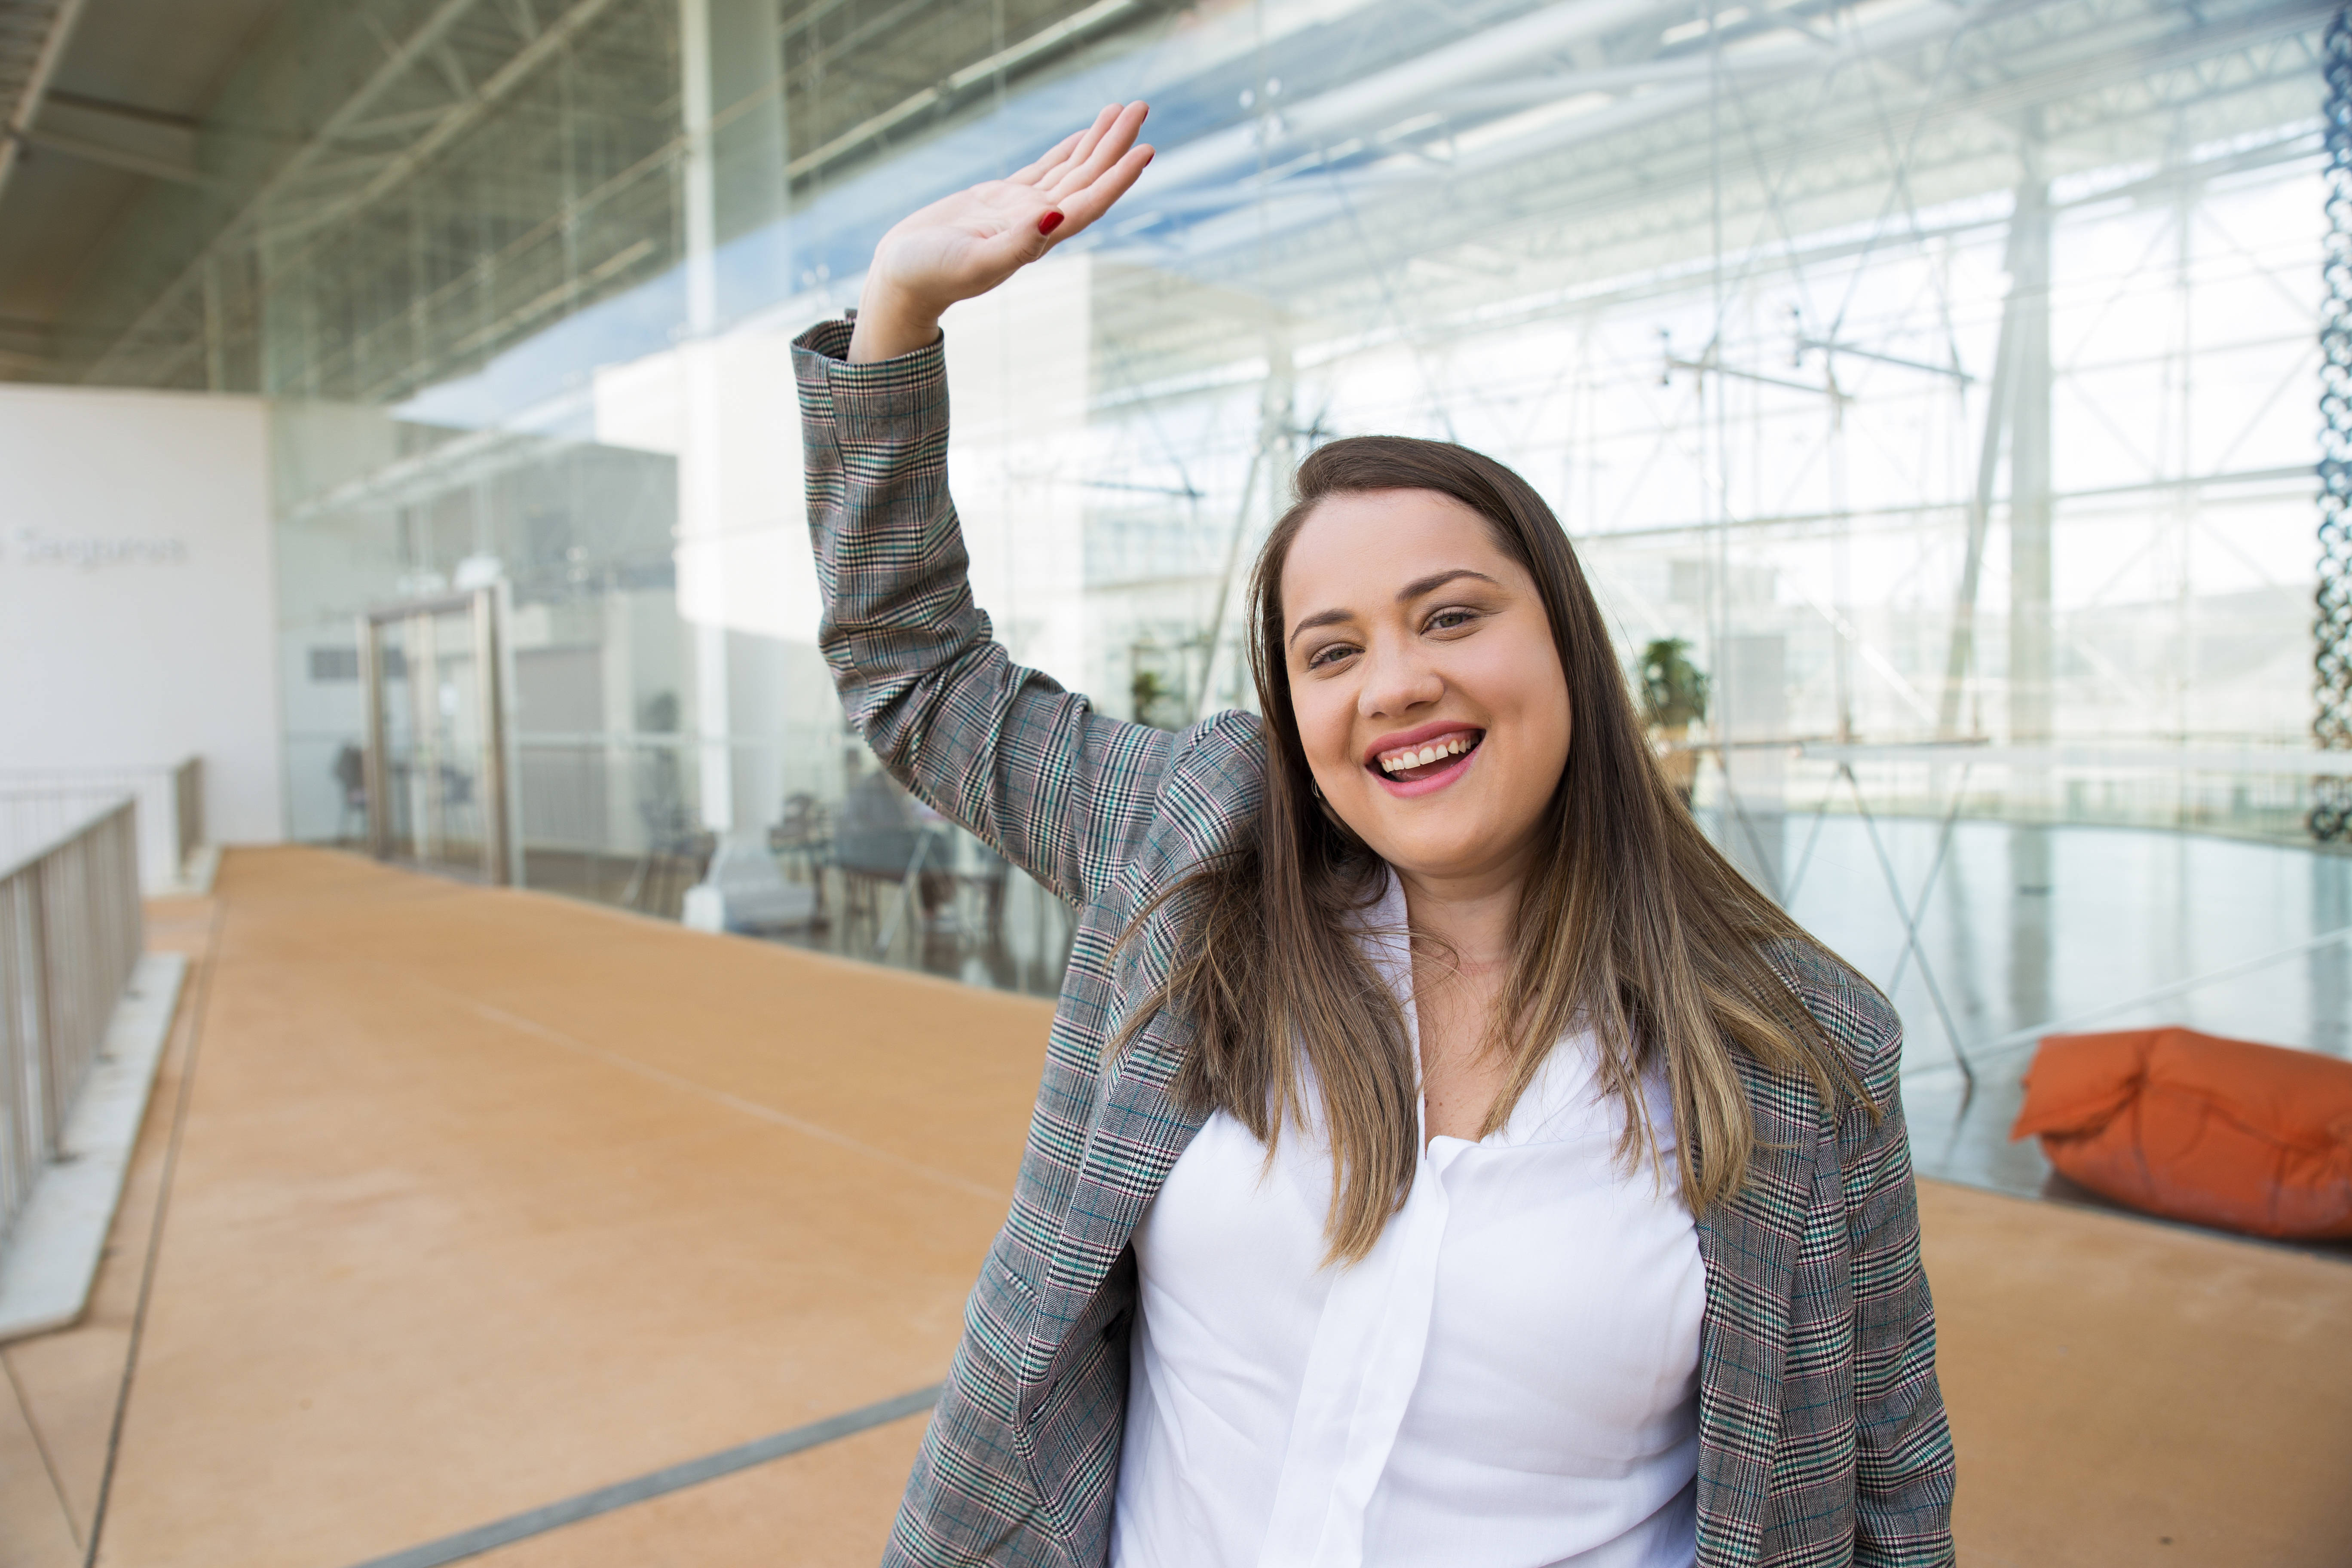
pixel 1823 1437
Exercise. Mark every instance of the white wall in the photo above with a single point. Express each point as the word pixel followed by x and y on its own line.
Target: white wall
pixel 136 596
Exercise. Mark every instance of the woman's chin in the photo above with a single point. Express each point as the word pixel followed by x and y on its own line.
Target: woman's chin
pixel 1438 852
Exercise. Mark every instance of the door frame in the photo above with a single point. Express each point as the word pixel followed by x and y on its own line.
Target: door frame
pixel 482 607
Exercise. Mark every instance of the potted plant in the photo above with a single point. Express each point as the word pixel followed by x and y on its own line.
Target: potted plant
pixel 1155 702
pixel 1674 698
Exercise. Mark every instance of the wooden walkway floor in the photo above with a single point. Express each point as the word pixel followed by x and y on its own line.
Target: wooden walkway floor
pixel 455 1204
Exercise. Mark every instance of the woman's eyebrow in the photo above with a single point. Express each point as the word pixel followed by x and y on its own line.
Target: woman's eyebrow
pixel 1437 579
pixel 1320 618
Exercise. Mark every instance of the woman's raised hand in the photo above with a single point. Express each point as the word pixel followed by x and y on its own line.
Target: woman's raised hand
pixel 968 243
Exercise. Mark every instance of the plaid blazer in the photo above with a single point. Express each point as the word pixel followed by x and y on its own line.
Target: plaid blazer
pixel 1822 1438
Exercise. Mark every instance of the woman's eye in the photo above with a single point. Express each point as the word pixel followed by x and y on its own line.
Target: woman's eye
pixel 1331 653
pixel 1447 620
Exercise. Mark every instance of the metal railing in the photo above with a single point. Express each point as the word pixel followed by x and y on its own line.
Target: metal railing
pixel 2251 792
pixel 72 930
pixel 36 803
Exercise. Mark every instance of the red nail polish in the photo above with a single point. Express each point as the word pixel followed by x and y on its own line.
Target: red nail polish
pixel 1049 223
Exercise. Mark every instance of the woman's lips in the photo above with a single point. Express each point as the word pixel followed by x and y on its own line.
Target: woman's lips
pixel 1419 747
pixel 1420 756
pixel 1424 778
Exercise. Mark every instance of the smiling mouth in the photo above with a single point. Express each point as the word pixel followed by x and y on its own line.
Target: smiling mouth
pixel 1409 765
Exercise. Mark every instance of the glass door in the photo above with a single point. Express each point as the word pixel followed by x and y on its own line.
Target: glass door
pixel 436 744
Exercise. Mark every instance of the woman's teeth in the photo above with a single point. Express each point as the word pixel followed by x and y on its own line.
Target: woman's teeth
pixel 1421 756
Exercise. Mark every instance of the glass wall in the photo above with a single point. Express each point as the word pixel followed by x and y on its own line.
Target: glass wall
pixel 1942 377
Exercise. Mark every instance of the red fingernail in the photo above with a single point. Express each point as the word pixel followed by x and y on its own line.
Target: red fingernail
pixel 1049 223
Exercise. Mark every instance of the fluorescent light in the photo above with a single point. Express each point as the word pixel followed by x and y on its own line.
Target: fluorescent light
pixel 1684 31
pixel 1513 126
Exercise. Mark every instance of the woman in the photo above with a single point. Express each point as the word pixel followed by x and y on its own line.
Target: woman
pixel 1442 1155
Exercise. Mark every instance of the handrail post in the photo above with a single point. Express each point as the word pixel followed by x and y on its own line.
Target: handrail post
pixel 72 931
pixel 187 810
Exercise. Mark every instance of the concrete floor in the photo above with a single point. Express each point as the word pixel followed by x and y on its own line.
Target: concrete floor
pixel 454 1204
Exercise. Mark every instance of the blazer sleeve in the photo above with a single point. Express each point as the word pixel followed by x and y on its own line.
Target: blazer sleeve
pixel 1904 1468
pixel 1059 789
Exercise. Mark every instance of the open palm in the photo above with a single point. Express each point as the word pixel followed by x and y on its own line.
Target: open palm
pixel 966 244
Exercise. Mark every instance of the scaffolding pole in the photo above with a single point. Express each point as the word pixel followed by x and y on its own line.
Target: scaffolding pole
pixel 2331 724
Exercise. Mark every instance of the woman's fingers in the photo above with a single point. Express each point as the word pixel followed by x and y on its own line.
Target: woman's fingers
pixel 1088 162
pixel 1050 161
pixel 1078 154
pixel 1082 206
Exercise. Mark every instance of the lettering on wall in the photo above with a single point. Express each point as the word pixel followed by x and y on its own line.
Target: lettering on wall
pixel 92 551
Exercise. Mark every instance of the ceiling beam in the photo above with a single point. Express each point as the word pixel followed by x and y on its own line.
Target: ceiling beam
pixel 21 113
pixel 161 146
pixel 109 155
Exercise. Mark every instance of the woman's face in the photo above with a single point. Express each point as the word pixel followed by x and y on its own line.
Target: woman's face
pixel 1429 696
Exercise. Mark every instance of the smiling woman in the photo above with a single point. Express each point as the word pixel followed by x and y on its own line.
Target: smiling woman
pixel 1449 713
pixel 1443 1154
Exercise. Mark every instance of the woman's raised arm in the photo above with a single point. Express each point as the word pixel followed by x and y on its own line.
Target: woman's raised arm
pixel 1061 790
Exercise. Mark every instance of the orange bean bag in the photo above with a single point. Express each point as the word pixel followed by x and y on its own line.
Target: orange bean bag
pixel 2223 1132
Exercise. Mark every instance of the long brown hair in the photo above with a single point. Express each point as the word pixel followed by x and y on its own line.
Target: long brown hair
pixel 1632 924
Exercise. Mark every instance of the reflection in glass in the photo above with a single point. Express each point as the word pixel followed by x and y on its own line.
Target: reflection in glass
pixel 1939 376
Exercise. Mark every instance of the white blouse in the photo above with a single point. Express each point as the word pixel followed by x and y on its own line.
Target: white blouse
pixel 1508 1380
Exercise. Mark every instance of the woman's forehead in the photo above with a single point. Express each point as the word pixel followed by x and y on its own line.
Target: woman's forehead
pixel 1353 544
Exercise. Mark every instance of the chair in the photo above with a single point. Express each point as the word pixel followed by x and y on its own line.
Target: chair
pixel 676 845
pixel 803 836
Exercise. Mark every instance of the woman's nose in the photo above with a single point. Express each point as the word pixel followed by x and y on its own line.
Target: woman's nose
pixel 1396 682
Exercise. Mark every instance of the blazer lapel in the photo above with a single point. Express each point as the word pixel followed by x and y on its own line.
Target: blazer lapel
pixel 1137 1134
pixel 1749 1249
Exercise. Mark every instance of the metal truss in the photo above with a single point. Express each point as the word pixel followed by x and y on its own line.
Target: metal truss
pixel 401 242
pixel 1761 164
pixel 1938 106
pixel 2331 811
pixel 361 266
pixel 409 240
pixel 1881 143
pixel 33 38
pixel 456 62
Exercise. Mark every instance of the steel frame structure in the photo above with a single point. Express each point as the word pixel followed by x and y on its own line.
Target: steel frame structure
pixel 2331 813
pixel 1654 174
pixel 1542 164
pixel 395 214
pixel 1791 172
